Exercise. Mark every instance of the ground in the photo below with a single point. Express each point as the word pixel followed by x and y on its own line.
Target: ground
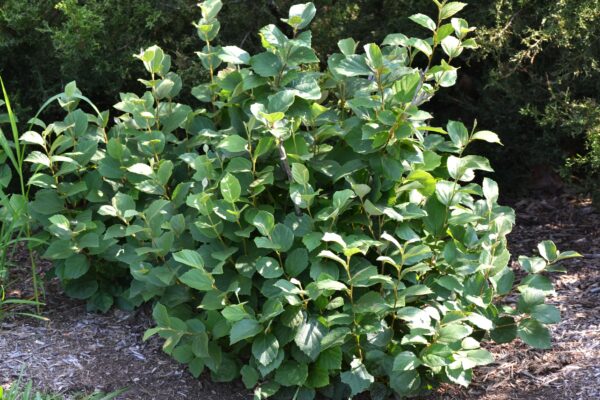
pixel 78 352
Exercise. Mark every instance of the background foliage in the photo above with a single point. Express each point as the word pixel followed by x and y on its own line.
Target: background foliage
pixel 535 80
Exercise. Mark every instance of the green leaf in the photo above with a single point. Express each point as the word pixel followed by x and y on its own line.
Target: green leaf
pixel 454 332
pixel 450 9
pixel 266 64
pixel 81 288
pixel 308 337
pixel 230 188
pixel 234 55
pixel 210 8
pixel 452 46
pixel 486 136
pixel 405 382
pixel 424 21
pixel 300 174
pixel 198 279
pixel 233 144
pixel 282 237
pixel 235 312
pixel 190 258
pixel 533 265
pixel 406 361
pixel 330 359
pixel 141 169
pixel 244 329
pixel 37 157
pixel 353 65
pixel 31 137
pixel 358 378
pixel 264 222
pixel 265 348
pixel 534 334
pixel 548 250
pixel 546 313
pixel 291 373
pixel 374 56
pixel 505 330
pixel 250 376
pixel 281 101
pixel 76 266
pixel 296 262
pixel 458 133
pixel 567 254
pixel 269 267
pixel 200 345
pixel 479 357
pixel 301 15
pixel 347 46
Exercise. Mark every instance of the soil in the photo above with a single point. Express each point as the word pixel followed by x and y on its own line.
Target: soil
pixel 76 351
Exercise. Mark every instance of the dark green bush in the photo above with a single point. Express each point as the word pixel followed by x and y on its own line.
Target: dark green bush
pixel 309 229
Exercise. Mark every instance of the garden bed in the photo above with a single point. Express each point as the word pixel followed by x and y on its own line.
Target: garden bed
pixel 79 352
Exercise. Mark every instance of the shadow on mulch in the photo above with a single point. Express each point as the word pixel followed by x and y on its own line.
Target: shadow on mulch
pixel 79 352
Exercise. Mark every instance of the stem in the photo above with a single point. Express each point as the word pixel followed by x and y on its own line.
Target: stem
pixel 351 296
pixel 286 167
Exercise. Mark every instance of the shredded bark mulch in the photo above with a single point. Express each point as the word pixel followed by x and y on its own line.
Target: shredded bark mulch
pixel 75 351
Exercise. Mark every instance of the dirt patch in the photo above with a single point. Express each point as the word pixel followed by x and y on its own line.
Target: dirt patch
pixel 80 352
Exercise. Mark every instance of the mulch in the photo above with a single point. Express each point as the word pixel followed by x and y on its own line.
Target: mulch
pixel 76 351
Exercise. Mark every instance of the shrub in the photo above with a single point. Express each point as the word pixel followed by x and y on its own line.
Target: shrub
pixel 306 230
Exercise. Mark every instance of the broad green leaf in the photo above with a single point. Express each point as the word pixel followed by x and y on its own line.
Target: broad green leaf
pixel 249 376
pixel 269 267
pixel 76 266
pixel 230 188
pixel 141 169
pixel 235 312
pixel 406 382
pixel 406 361
pixel 31 137
pixel 233 144
pixel 301 15
pixel 452 46
pixel 244 329
pixel 454 332
pixel 534 334
pixel 505 330
pixel 190 258
pixel 424 21
pixel 282 237
pixel 308 337
pixel 546 314
pixel 291 373
pixel 548 250
pixel 374 56
pixel 266 64
pixel 458 133
pixel 198 279
pixel 486 136
pixel 347 46
pixel 300 174
pixel 296 262
pixel 234 55
pixel 265 348
pixel 358 378
pixel 451 8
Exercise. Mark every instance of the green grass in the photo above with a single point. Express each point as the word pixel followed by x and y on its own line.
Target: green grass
pixel 21 390
pixel 14 226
